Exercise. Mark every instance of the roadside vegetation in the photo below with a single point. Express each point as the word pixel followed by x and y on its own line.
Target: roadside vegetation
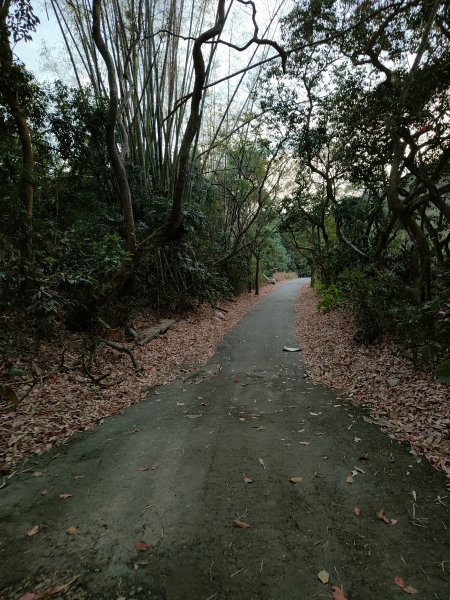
pixel 366 118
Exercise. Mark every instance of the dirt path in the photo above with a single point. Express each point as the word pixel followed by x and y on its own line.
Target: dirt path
pixel 168 473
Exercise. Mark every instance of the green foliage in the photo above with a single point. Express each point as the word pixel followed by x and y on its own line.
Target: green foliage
pixel 423 329
pixel 330 297
pixel 21 20
pixel 443 371
pixel 174 280
pixel 370 295
pixel 77 121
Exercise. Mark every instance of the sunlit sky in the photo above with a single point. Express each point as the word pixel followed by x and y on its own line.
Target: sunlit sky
pixel 45 55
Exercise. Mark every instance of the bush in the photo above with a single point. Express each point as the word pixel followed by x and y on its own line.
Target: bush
pixel 330 297
pixel 423 330
pixel 370 294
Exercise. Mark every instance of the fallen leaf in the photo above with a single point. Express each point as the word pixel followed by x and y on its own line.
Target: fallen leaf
pixel 29 596
pixel 33 531
pixel 338 593
pixel 154 467
pixel 71 531
pixel 141 546
pixel 44 492
pixel 241 524
pixel 383 517
pixel 247 479
pixel 357 511
pixel 349 479
pixel 261 462
pixel 409 590
pixel 367 420
pixel 57 589
pixel 323 576
pixel 64 496
pixel 399 581
pixel 241 419
pixel 295 479
pixel 143 469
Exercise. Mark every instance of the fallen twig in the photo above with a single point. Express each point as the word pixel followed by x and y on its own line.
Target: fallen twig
pixel 98 380
pixel 120 348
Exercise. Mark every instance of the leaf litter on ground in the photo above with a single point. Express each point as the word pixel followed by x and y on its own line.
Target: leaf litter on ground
pixel 414 410
pixel 68 401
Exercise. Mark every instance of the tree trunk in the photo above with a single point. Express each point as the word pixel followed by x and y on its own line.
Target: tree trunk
pixel 111 123
pixel 257 274
pixel 422 285
pixel 194 122
pixel 26 179
pixel 11 95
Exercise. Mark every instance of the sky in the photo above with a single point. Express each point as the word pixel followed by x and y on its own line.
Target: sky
pixel 47 35
pixel 45 55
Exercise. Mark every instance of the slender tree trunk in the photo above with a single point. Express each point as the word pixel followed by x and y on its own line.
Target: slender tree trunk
pixel 111 123
pixel 26 179
pixel 257 257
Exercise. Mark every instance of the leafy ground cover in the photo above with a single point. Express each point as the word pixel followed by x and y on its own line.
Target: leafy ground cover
pixel 411 406
pixel 85 387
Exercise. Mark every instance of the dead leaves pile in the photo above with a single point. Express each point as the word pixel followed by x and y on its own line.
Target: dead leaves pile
pixel 69 402
pixel 410 405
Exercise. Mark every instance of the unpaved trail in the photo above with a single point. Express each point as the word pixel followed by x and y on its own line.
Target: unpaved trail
pixel 256 415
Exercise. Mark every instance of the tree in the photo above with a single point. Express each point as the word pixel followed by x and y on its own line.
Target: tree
pixel 17 20
pixel 379 118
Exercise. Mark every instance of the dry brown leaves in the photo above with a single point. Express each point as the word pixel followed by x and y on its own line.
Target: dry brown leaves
pixel 410 405
pixel 69 401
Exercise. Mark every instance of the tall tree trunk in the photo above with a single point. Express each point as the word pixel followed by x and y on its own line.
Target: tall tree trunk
pixel 111 124
pixel 11 95
pixel 257 257
pixel 194 122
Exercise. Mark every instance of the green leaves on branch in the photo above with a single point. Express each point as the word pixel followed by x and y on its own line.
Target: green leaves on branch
pixel 443 371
